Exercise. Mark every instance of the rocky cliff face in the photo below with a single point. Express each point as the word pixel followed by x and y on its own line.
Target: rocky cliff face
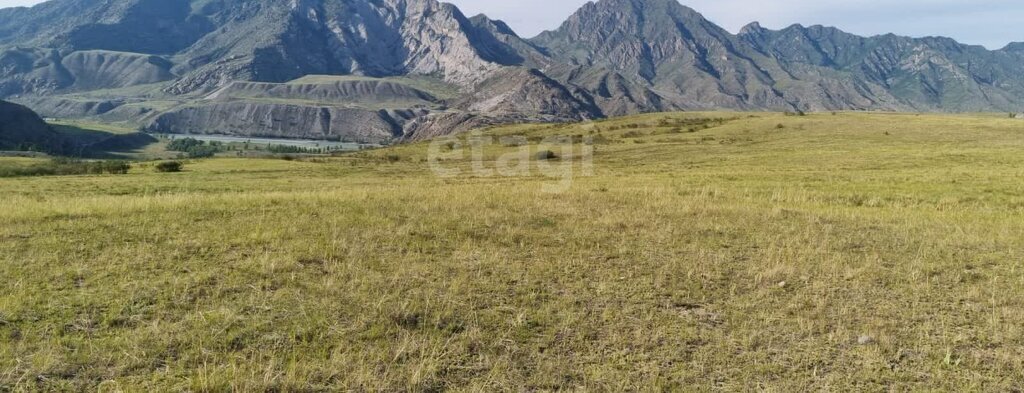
pixel 277 40
pixel 519 91
pixel 613 57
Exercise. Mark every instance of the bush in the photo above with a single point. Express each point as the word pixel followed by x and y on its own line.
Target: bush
pixel 202 151
pixel 169 166
pixel 286 149
pixel 113 167
pixel 184 144
pixel 66 166
pixel 194 148
pixel 546 155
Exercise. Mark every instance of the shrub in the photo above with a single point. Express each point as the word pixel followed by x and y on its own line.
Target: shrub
pixel 113 167
pixel 286 149
pixel 546 155
pixel 194 148
pixel 184 144
pixel 202 151
pixel 67 166
pixel 169 166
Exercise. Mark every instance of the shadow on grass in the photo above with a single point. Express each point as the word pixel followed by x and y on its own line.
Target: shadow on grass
pixel 88 143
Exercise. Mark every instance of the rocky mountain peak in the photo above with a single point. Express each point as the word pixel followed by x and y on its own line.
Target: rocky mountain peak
pixel 634 37
pixel 640 17
pixel 1014 47
pixel 753 28
pixel 611 57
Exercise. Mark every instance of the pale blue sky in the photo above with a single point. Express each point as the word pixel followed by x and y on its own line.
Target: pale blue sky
pixel 992 23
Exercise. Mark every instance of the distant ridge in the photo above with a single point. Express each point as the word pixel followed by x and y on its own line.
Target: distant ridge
pixel 612 57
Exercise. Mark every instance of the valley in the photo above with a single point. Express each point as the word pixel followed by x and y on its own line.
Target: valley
pixel 391 195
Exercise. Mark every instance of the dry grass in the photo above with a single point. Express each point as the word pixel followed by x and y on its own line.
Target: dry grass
pixel 849 252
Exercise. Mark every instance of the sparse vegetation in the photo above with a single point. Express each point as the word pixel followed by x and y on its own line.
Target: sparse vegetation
pixel 546 155
pixel 65 167
pixel 194 148
pixel 169 166
pixel 825 256
pixel 285 149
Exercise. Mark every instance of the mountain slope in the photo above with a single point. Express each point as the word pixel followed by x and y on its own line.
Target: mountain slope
pixel 182 61
pixel 22 129
pixel 664 48
pixel 268 40
pixel 144 26
pixel 927 73
pixel 280 41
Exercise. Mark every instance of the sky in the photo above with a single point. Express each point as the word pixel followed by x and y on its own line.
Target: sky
pixel 993 23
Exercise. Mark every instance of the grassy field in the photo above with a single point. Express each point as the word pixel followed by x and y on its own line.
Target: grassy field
pixel 72 126
pixel 708 251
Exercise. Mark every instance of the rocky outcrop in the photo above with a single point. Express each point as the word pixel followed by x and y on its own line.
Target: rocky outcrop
pixel 517 91
pixel 440 124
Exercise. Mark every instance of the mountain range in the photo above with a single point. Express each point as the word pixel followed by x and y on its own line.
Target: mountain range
pixel 381 70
